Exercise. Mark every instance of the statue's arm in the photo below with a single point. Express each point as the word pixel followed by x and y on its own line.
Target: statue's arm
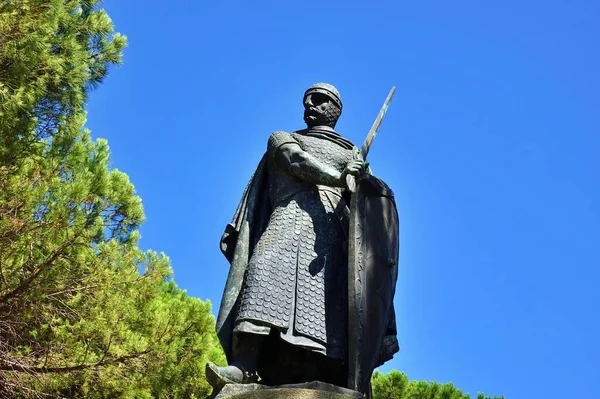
pixel 290 157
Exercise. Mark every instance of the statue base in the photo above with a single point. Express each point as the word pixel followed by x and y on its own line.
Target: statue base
pixel 308 390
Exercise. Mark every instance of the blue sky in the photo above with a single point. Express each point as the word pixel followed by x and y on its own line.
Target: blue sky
pixel 491 145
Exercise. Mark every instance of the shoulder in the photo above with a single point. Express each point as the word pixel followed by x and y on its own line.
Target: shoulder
pixel 279 138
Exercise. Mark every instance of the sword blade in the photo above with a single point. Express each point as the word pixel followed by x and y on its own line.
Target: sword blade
pixel 350 180
pixel 373 131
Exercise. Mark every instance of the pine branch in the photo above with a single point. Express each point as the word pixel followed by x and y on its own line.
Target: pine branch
pixel 16 367
pixel 45 265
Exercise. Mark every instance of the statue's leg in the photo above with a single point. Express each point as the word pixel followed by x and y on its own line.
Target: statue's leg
pixel 247 348
pixel 242 369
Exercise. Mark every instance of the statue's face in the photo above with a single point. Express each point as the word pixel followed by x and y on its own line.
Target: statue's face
pixel 320 110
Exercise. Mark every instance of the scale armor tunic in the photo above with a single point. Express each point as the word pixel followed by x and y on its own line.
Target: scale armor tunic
pixel 296 280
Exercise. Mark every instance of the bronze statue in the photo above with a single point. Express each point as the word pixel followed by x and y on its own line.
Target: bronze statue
pixel 285 314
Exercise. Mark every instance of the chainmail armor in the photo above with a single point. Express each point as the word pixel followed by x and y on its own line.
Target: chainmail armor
pixel 296 279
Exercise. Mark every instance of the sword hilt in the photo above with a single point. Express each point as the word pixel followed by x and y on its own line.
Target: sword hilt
pixel 351 183
pixel 350 179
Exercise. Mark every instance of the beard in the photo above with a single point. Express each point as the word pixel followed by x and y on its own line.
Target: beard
pixel 325 116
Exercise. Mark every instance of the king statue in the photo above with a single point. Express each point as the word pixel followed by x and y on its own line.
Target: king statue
pixel 309 295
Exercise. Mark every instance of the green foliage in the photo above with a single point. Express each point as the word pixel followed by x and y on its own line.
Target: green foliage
pixel 395 385
pixel 84 312
pixel 51 53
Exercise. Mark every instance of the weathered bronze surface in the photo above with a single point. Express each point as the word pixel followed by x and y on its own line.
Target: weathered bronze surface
pixel 285 315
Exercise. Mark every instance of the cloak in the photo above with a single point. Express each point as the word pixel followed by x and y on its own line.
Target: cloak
pixel 237 244
pixel 373 252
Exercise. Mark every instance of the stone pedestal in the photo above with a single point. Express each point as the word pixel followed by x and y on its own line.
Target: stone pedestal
pixel 309 390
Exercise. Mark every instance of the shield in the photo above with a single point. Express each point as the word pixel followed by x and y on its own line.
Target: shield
pixel 373 250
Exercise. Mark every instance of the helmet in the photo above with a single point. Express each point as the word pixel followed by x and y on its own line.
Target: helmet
pixel 326 89
pixel 326 113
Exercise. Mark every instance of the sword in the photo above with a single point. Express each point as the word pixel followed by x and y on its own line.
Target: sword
pixel 356 273
pixel 351 180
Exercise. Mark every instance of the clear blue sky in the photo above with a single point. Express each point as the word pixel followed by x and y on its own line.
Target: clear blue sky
pixel 492 145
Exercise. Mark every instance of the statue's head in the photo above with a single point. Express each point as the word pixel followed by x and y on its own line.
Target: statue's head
pixel 322 105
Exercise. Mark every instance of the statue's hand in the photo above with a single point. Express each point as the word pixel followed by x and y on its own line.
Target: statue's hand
pixel 357 168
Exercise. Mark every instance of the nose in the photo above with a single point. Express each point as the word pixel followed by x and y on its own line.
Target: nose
pixel 308 101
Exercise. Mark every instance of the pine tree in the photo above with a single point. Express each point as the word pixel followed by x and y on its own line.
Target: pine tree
pixel 84 312
pixel 52 52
